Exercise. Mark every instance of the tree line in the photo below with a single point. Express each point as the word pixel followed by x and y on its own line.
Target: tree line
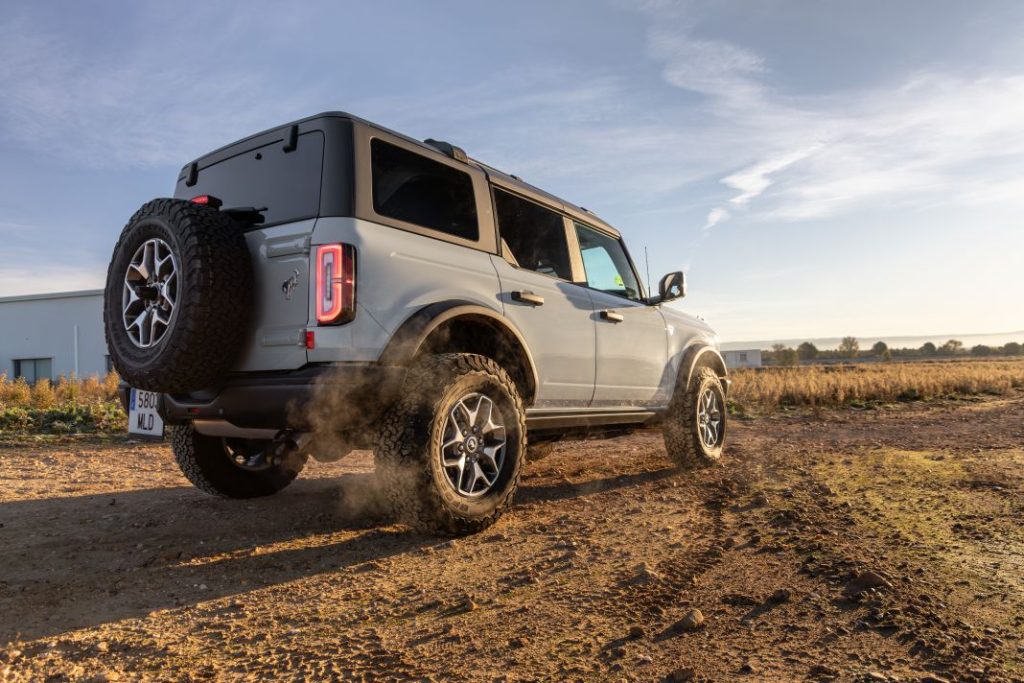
pixel 849 349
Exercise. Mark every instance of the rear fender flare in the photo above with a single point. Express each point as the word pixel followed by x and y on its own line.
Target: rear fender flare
pixel 411 336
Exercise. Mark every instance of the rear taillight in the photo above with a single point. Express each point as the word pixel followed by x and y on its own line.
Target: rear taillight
pixel 207 200
pixel 335 284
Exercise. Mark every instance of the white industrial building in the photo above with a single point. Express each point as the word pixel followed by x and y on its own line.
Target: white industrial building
pixel 49 335
pixel 745 358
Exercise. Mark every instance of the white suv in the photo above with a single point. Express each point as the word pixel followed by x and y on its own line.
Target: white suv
pixel 331 284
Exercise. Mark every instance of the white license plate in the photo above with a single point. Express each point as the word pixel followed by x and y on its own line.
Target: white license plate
pixel 143 418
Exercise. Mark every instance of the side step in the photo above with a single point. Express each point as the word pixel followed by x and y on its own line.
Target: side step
pixel 540 419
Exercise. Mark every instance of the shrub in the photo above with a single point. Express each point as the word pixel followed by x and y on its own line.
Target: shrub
pixel 43 395
pixel 807 351
pixel 17 393
pixel 849 347
pixel 69 406
pixel 786 357
pixel 15 419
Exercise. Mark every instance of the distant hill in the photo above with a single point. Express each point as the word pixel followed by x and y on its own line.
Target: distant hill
pixel 969 340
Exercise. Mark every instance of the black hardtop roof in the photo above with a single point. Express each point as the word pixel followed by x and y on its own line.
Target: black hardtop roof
pixel 503 179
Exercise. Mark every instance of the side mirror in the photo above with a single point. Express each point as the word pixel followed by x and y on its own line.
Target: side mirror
pixel 672 286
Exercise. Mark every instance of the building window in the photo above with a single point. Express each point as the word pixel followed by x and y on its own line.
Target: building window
pixel 743 357
pixel 33 369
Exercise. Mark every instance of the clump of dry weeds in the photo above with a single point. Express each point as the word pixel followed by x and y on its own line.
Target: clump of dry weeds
pixel 836 385
pixel 68 405
pixel 66 391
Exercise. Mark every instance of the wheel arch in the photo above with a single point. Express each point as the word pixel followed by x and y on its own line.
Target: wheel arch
pixel 465 327
pixel 702 355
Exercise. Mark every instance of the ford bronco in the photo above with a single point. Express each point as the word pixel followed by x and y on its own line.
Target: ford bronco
pixel 330 284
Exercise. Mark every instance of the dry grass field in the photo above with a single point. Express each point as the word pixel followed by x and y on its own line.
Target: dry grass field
pixel 91 405
pixel 863 383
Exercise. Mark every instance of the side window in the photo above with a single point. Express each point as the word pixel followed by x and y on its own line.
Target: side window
pixel 412 188
pixel 607 266
pixel 534 235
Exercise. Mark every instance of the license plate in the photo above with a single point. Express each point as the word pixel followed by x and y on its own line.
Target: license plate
pixel 143 418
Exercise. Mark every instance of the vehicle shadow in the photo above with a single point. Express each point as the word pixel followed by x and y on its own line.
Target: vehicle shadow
pixel 563 490
pixel 73 562
pixel 81 561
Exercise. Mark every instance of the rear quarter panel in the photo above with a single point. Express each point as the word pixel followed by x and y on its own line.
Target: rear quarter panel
pixel 397 273
pixel 280 313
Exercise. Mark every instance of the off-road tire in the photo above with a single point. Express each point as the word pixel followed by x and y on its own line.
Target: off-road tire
pixel 209 321
pixel 203 461
pixel 409 439
pixel 683 442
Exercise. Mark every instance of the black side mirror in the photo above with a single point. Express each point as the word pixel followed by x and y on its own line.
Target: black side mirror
pixel 672 286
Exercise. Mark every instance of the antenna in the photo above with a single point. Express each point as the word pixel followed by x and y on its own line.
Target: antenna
pixel 647 267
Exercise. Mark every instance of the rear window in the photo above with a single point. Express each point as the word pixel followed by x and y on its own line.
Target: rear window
pixel 287 183
pixel 412 188
pixel 534 235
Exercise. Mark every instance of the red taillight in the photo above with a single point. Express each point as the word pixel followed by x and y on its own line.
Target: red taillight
pixel 207 200
pixel 335 284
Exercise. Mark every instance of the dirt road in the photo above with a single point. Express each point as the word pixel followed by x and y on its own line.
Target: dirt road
pixel 855 545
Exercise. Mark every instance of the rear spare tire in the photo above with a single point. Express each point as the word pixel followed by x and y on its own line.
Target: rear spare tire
pixel 178 297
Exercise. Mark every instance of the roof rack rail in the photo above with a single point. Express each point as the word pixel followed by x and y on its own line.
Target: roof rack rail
pixel 448 149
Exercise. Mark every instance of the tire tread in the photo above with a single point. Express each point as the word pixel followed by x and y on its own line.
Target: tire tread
pixel 213 307
pixel 682 443
pixel 402 446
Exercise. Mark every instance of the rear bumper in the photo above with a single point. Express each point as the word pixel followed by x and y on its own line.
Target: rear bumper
pixel 358 392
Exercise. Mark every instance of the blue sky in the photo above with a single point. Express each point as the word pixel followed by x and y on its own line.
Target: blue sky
pixel 817 168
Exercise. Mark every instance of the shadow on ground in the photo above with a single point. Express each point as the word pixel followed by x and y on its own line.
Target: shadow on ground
pixel 82 561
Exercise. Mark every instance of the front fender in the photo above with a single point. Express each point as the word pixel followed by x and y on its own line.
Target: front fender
pixel 702 354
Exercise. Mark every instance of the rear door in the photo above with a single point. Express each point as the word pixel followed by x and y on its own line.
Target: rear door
pixel 539 297
pixel 632 338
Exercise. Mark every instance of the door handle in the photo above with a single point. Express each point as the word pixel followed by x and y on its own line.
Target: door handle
pixel 528 298
pixel 612 316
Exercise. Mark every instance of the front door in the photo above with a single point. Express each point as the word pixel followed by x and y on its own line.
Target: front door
pixel 632 338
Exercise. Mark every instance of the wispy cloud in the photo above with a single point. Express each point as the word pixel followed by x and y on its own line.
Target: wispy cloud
pixel 931 138
pixel 139 105
pixel 715 216
pixel 754 180
pixel 711 67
